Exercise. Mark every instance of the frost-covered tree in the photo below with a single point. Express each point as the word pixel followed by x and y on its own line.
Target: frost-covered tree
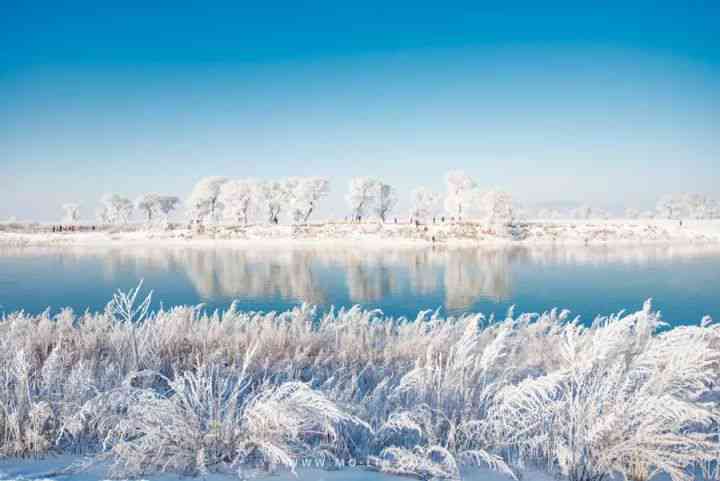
pixel 147 203
pixel 582 212
pixel 687 206
pixel 386 200
pixel 203 200
pixel 101 215
pixel 460 192
pixel 699 206
pixel 361 195
pixel 156 206
pixel 586 212
pixel 671 207
pixel 648 214
pixel 551 214
pixel 239 198
pixel 632 213
pixel 116 209
pixel 424 203
pixel 305 195
pixel 72 212
pixel 497 207
pixel 273 196
pixel 166 204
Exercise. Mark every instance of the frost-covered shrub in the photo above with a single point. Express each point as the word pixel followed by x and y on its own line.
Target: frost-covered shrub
pixel 189 391
pixel 214 419
pixel 626 400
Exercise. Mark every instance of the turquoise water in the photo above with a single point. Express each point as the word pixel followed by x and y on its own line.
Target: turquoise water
pixel 683 280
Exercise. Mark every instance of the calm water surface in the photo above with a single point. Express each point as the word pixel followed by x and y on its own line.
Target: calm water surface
pixel 683 280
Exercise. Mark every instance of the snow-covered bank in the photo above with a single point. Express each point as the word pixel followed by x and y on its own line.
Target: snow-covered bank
pixel 554 232
pixel 187 392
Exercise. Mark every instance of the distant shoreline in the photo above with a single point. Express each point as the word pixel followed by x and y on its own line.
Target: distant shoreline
pixel 546 232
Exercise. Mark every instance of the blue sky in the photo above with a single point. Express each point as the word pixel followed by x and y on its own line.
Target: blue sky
pixel 611 105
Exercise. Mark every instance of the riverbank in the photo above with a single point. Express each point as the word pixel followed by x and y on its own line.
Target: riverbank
pixel 570 232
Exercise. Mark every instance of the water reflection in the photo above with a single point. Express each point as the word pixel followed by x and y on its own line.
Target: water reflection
pixel 458 278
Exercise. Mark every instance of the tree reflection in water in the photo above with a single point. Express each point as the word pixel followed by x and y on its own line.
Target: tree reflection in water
pixel 457 277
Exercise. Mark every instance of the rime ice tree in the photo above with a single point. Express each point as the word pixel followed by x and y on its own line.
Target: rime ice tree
pixel 586 212
pixel 274 195
pixel 101 214
pixel 361 195
pixel 632 213
pixel 424 203
pixel 166 204
pixel 497 207
pixel 460 192
pixel 238 198
pixel 116 209
pixel 386 200
pixel 546 213
pixel 147 203
pixel 203 200
pixel 582 212
pixel 72 212
pixel 671 207
pixel 699 206
pixel 305 194
pixel 156 205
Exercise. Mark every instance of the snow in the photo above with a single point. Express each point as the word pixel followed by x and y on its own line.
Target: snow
pixel 59 468
pixel 71 467
pixel 547 232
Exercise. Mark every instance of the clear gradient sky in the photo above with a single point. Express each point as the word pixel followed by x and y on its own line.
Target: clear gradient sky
pixel 612 105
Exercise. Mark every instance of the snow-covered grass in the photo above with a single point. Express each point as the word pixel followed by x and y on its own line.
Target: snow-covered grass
pixel 243 393
pixel 569 232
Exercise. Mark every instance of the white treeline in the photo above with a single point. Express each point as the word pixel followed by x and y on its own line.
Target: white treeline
pixel 240 200
pixel 368 195
pixel 72 213
pixel 156 207
pixel 296 199
pixel 688 206
pixel 425 204
pixel 195 393
pixel 115 209
pixel 671 207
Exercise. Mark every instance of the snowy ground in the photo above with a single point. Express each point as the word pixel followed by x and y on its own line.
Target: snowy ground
pixel 62 468
pixel 571 232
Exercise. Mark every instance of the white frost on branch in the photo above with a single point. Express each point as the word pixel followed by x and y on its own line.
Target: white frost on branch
pixel 305 195
pixel 361 196
pixel 115 209
pixel 460 193
pixel 203 200
pixel 239 199
pixel 425 203
pixel 156 207
pixel 274 195
pixel 497 207
pixel 72 213
pixel 386 200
